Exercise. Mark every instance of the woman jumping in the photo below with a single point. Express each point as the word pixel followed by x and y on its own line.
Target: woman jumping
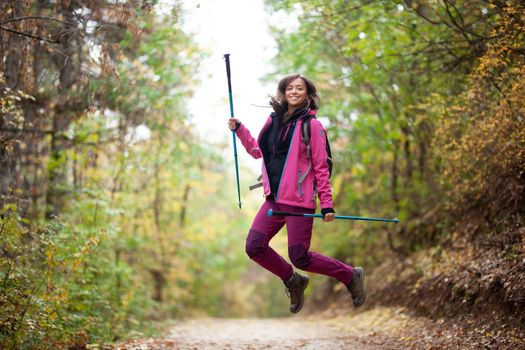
pixel 294 174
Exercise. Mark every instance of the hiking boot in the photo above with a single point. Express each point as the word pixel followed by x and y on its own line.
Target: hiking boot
pixel 295 287
pixel 357 287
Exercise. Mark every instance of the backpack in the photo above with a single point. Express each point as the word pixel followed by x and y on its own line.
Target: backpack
pixel 306 135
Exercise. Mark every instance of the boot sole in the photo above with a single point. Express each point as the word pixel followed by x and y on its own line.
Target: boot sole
pixel 362 275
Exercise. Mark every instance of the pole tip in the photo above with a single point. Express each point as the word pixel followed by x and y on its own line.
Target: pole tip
pixel 226 55
pixel 396 220
pixel 270 212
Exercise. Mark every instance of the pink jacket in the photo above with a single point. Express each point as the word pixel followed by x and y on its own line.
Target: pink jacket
pixel 316 183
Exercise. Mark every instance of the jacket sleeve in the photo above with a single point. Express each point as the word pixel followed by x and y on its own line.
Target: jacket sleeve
pixel 319 163
pixel 248 141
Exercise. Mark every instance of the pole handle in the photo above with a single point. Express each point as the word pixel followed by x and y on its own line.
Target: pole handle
pixel 228 72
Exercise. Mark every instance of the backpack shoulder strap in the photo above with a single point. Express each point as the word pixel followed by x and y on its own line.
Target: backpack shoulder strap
pixel 306 128
pixel 306 133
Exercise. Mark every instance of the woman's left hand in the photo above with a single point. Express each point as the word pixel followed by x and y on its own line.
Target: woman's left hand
pixel 329 217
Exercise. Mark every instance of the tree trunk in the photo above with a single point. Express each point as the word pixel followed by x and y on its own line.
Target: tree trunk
pixel 184 205
pixel 159 281
pixel 56 172
pixel 394 176
pixel 408 156
pixel 422 159
pixel 68 74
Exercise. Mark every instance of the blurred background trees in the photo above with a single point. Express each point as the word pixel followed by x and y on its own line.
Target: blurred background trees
pixel 424 102
pixel 109 197
pixel 425 110
pixel 112 205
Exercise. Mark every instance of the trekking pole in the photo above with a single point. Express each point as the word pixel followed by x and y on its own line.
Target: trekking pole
pixel 227 58
pixel 283 213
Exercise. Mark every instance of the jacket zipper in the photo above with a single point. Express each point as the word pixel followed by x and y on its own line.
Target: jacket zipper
pixel 265 172
pixel 285 161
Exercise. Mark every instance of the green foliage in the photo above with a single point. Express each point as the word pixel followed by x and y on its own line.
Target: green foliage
pixel 424 107
pixel 136 234
pixel 482 135
pixel 419 97
pixel 58 284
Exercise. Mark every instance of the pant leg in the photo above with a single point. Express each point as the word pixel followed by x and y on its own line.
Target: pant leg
pixel 299 237
pixel 264 228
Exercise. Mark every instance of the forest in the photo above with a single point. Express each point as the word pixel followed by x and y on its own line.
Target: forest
pixel 117 216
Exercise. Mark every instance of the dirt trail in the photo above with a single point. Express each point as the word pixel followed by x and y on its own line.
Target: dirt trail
pixel 379 328
pixel 278 333
pixel 255 334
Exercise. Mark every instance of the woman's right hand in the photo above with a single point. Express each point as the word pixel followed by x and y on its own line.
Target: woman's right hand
pixel 232 123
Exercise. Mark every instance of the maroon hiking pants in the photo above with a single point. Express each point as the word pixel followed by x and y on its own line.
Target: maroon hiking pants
pixel 265 227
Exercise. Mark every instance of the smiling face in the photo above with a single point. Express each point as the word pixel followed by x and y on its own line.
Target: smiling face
pixel 295 93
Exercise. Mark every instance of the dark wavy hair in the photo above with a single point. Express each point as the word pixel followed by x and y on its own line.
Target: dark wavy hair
pixel 279 104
